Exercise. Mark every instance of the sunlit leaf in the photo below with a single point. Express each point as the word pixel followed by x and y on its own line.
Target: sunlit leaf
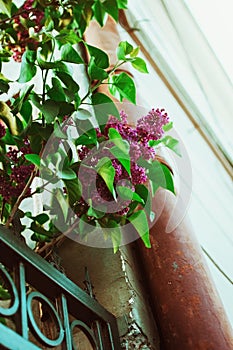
pixel 106 170
pixel 33 158
pixel 122 86
pixel 140 223
pixel 139 64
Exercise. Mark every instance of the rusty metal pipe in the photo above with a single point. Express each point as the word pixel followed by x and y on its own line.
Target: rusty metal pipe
pixel 186 305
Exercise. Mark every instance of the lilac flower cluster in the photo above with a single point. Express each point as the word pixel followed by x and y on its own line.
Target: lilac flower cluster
pixel 149 127
pixel 13 181
pixel 35 16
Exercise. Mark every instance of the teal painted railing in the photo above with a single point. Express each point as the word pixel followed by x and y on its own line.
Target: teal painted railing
pixel 30 278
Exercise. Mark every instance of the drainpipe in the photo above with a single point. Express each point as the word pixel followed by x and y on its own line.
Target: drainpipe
pixel 186 305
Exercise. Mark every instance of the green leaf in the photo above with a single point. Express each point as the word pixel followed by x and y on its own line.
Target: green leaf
pixel 122 157
pixel 127 194
pixel 68 81
pixel 168 126
pixel 99 12
pixel 4 86
pixel 26 112
pixel 144 193
pixel 33 158
pixel 67 36
pixel 66 174
pixel 172 143
pixel 121 150
pixel 62 201
pixel 41 234
pixel 81 114
pixel 116 138
pixel 114 134
pixel 153 143
pixel 111 8
pixel 41 218
pixel 28 67
pixel 101 58
pixel 139 64
pixel 124 49
pixel 161 176
pixel 50 110
pixel 58 132
pixel 140 223
pixel 135 52
pixel 122 4
pixel 56 93
pixel 95 213
pixel 116 236
pixel 4 294
pixel 122 86
pixel 106 170
pixel 5 7
pixel 69 54
pixel 95 72
pixel 103 108
pixel 74 190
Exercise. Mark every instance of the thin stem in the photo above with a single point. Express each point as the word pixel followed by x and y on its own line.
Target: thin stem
pixel 58 239
pixel 20 198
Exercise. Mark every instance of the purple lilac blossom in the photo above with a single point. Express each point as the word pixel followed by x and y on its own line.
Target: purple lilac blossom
pixel 2 131
pixel 150 127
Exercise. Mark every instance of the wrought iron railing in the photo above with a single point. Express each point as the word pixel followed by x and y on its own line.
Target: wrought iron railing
pixel 40 293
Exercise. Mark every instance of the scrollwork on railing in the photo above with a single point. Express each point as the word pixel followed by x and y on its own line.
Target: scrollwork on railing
pixel 68 307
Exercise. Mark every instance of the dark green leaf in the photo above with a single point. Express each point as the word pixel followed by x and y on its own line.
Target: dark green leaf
pixel 139 64
pixel 95 72
pixel 122 86
pixel 4 86
pixel 41 218
pixel 99 12
pixel 26 111
pixel 8 138
pixel 28 67
pixel 69 54
pixel 101 58
pixel 33 158
pixel 68 81
pixel 140 223
pixel 56 93
pixel 37 228
pixel 74 190
pixel 4 294
pixel 161 176
pixel 104 107
pixel 144 193
pixel 111 8
pixel 50 110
